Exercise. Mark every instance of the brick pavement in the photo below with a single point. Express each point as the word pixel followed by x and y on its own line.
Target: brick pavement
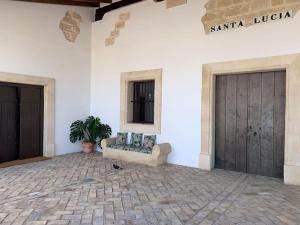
pixel 85 189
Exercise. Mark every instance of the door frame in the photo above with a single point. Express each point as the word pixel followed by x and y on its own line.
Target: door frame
pixel 49 105
pixel 246 162
pixel 41 88
pixel 289 63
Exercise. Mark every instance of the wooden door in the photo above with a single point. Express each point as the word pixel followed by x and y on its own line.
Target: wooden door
pixel 8 123
pixel 250 123
pixel 31 121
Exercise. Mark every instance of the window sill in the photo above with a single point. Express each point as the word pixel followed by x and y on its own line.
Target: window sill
pixel 140 128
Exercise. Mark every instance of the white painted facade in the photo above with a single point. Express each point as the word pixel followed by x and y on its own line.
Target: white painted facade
pixel 175 40
pixel 88 74
pixel 31 43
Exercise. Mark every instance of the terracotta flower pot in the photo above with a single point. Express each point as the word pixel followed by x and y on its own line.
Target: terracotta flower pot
pixel 88 147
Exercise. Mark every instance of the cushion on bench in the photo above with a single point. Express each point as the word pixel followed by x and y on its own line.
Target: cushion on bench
pixel 138 149
pixel 131 148
pixel 136 140
pixel 116 146
pixel 121 138
pixel 135 143
pixel 149 142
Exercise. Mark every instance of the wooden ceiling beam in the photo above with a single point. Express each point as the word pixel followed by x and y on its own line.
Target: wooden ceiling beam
pixel 89 3
pixel 100 12
pixel 92 3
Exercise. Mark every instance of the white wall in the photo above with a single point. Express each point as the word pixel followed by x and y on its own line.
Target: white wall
pixel 31 43
pixel 175 40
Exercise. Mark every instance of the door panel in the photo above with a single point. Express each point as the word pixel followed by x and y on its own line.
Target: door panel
pixel 230 141
pixel 250 123
pixel 221 86
pixel 241 123
pixel 8 124
pixel 267 125
pixel 279 122
pixel 30 122
pixel 254 123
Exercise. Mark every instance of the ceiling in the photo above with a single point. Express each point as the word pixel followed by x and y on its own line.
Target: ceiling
pixel 88 3
pixel 104 6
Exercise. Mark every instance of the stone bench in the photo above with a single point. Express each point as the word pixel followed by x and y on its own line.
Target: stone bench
pixel 157 157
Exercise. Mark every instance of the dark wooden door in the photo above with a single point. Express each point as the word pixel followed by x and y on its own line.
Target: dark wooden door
pixel 31 123
pixel 8 123
pixel 21 121
pixel 250 123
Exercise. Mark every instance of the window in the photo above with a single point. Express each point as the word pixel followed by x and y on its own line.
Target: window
pixel 140 109
pixel 143 102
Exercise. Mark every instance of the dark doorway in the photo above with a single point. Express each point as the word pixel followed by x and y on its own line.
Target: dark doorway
pixel 250 123
pixel 143 102
pixel 21 121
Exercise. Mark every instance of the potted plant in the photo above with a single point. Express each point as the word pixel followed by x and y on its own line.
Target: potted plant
pixel 90 132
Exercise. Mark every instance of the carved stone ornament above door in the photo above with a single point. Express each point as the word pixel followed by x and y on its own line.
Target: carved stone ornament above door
pixel 230 14
pixel 70 25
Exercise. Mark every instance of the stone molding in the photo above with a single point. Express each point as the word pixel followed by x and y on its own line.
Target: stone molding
pixel 49 105
pixel 226 11
pixel 175 3
pixel 126 109
pixel 120 24
pixel 290 63
pixel 292 174
pixel 70 25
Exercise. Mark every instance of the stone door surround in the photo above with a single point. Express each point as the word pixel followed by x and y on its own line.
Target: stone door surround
pixel 290 63
pixel 49 105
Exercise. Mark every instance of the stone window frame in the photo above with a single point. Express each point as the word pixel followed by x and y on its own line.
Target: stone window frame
pixel 289 63
pixel 127 78
pixel 49 105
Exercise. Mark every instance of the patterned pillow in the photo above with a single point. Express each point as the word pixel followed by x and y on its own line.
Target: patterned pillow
pixel 136 140
pixel 121 138
pixel 115 146
pixel 149 141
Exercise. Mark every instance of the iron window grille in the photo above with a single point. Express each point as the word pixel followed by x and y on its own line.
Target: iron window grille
pixel 143 101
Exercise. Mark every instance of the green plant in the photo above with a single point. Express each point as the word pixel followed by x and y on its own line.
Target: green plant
pixel 91 130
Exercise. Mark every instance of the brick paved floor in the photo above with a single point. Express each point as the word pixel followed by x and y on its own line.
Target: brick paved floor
pixel 85 189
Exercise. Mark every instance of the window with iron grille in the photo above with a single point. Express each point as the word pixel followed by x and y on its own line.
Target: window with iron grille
pixel 143 102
